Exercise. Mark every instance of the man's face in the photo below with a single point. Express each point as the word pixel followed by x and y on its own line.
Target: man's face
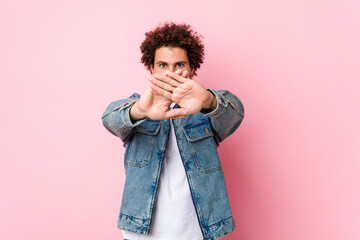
pixel 171 59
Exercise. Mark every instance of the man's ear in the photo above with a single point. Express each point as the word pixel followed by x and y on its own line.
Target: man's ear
pixel 152 68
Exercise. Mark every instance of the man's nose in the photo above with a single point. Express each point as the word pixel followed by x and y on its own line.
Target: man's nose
pixel 171 69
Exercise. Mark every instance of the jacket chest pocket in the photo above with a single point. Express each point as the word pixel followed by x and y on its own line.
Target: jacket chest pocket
pixel 141 146
pixel 203 147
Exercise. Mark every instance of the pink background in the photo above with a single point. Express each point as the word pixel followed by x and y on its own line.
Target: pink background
pixel 292 168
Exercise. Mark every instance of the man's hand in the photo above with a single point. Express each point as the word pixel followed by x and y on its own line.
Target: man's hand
pixel 152 104
pixel 190 95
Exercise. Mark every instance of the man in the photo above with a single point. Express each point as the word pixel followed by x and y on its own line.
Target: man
pixel 174 187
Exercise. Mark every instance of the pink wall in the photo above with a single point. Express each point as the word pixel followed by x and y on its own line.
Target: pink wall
pixel 292 168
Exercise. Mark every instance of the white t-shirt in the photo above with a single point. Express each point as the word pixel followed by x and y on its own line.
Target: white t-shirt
pixel 174 216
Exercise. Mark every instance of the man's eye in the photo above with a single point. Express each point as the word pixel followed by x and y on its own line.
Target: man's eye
pixel 162 65
pixel 180 64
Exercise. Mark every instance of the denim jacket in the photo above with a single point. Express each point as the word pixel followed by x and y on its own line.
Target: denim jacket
pixel 198 136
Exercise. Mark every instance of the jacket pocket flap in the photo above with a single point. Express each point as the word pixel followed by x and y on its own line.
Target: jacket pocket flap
pixel 198 131
pixel 149 126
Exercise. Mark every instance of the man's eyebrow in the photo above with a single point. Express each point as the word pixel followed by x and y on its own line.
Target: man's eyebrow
pixel 183 62
pixel 161 62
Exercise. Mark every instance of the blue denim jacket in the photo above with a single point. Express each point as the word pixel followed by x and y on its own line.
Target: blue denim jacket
pixel 198 136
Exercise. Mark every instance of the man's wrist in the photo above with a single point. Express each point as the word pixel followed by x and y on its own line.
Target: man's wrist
pixel 136 113
pixel 211 102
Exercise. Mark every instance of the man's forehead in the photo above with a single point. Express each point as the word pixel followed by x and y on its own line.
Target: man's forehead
pixel 171 54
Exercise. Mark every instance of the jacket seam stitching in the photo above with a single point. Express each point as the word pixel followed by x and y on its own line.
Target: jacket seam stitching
pixel 224 220
pixel 145 219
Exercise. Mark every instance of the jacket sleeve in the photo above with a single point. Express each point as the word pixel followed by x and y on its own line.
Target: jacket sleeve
pixel 227 116
pixel 116 118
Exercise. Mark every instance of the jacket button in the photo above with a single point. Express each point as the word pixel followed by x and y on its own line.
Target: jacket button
pixel 206 130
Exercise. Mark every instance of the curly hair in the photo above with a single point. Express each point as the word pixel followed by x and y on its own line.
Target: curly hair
pixel 173 35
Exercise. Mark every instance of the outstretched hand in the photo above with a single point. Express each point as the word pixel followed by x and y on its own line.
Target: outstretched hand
pixel 152 104
pixel 190 95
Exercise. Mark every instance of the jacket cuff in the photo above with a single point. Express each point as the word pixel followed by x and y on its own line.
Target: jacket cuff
pixel 126 115
pixel 220 107
pixel 116 117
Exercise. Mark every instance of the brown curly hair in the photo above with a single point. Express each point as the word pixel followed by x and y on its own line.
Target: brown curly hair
pixel 173 35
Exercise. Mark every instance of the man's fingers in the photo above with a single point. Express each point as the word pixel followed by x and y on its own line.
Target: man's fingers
pixel 173 113
pixel 179 72
pixel 161 84
pixel 185 74
pixel 176 77
pixel 160 91
pixel 167 80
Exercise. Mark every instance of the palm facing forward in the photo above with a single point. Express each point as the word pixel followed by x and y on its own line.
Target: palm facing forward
pixel 190 95
pixel 155 105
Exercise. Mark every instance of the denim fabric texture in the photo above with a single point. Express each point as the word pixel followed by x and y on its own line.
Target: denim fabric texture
pixel 198 137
